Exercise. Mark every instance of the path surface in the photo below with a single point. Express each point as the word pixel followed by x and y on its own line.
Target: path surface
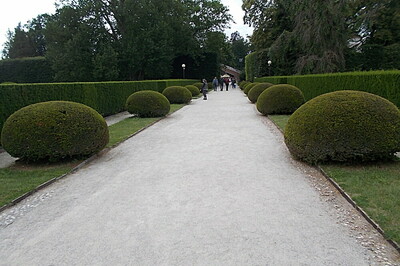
pixel 211 184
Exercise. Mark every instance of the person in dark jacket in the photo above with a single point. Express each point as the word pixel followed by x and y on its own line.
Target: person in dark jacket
pixel 221 84
pixel 204 89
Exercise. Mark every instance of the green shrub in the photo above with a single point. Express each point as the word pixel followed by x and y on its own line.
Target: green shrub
pixel 26 70
pixel 54 131
pixel 199 85
pixel 344 126
pixel 249 87
pixel 177 94
pixel 105 97
pixel 257 90
pixel 243 84
pixel 193 89
pixel 280 99
pixel 383 83
pixel 148 104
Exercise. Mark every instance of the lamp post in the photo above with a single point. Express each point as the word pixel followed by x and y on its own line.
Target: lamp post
pixel 269 67
pixel 183 70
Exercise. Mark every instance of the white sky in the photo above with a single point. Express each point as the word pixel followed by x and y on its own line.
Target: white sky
pixel 14 11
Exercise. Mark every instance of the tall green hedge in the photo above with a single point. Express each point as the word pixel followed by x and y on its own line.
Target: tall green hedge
pixel 105 97
pixel 251 66
pixel 26 70
pixel 383 83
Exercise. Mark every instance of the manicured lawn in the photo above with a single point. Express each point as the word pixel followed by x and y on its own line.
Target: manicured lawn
pixel 374 187
pixel 19 179
pixel 22 178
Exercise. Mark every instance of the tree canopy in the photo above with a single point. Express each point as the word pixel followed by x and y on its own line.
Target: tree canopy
pixel 88 40
pixel 311 36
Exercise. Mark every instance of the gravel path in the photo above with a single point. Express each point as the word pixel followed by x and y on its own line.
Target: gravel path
pixel 211 184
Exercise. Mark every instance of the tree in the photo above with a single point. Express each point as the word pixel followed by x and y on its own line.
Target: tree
pixel 240 48
pixel 146 35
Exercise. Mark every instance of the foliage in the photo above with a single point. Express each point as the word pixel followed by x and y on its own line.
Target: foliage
pixel 251 66
pixel 147 104
pixel 177 94
pixel 344 126
pixel 257 90
pixel 249 87
pixel 199 85
pixel 193 89
pixel 280 99
pixel 312 36
pixel 240 48
pixel 27 40
pixel 382 83
pixel 105 97
pixel 54 131
pixel 26 70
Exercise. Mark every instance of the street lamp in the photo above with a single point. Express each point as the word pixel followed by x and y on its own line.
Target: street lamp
pixel 269 66
pixel 183 69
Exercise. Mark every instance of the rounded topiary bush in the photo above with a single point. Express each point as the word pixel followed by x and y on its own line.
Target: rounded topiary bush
pixel 54 131
pixel 243 84
pixel 147 104
pixel 199 85
pixel 249 86
pixel 257 90
pixel 344 126
pixel 177 94
pixel 193 89
pixel 280 99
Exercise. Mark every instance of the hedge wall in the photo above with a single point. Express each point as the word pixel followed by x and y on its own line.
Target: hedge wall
pixel 105 97
pixel 251 66
pixel 26 70
pixel 382 83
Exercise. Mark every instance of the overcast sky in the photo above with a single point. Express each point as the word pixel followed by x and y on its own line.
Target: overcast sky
pixel 14 11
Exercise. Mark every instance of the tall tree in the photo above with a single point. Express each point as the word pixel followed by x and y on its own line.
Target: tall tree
pixel 321 31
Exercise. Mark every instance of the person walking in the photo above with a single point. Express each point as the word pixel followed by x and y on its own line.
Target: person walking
pixel 215 83
pixel 233 81
pixel 221 84
pixel 226 81
pixel 204 89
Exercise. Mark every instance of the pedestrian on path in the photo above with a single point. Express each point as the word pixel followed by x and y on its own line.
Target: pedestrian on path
pixel 221 84
pixel 215 83
pixel 204 89
pixel 226 81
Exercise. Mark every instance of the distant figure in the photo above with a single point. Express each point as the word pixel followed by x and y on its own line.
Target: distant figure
pixel 221 84
pixel 204 89
pixel 226 81
pixel 215 83
pixel 233 80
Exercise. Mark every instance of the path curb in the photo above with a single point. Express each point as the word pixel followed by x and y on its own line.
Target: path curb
pixel 350 200
pixel 78 167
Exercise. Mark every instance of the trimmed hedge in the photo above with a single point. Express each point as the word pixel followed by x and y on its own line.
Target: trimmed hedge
pixel 148 104
pixel 280 99
pixel 193 89
pixel 344 126
pixel 249 86
pixel 177 94
pixel 257 90
pixel 26 70
pixel 383 83
pixel 53 131
pixel 107 98
pixel 199 85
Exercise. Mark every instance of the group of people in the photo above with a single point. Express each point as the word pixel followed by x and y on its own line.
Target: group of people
pixel 218 83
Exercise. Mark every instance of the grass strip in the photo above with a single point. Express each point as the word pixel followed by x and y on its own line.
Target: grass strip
pixel 22 178
pixel 375 187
